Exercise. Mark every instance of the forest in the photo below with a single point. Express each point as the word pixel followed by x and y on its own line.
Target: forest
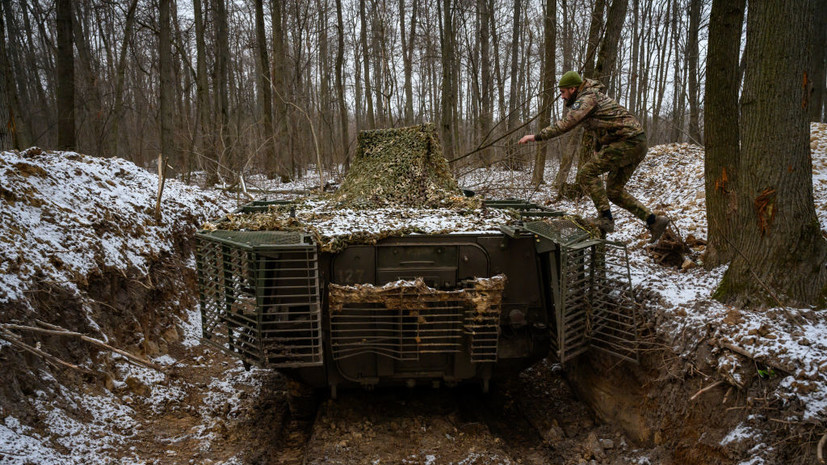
pixel 234 86
pixel 105 330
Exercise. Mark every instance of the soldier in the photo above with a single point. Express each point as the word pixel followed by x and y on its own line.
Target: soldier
pixel 621 146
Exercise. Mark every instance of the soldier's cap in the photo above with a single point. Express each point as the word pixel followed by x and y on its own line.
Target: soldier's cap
pixel 570 79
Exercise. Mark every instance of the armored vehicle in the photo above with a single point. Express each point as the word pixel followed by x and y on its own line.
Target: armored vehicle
pixel 411 304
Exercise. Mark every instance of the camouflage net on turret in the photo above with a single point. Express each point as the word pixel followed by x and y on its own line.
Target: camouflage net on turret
pixel 399 184
pixel 400 167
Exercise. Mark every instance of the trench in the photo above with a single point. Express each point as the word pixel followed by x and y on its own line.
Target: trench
pixel 596 411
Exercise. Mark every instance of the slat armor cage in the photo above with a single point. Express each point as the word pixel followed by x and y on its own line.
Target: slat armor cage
pixel 407 319
pixel 259 296
pixel 593 304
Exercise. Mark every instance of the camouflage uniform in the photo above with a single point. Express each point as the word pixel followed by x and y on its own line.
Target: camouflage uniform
pixel 621 142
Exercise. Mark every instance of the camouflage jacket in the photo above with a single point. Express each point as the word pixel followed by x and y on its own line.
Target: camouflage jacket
pixel 597 113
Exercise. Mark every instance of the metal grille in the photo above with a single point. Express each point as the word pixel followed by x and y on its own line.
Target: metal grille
pixel 593 301
pixel 614 326
pixel 483 329
pixel 405 322
pixel 259 297
pixel 598 310
pixel 574 316
pixel 389 329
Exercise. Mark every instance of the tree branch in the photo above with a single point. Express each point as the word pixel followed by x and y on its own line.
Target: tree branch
pixel 58 331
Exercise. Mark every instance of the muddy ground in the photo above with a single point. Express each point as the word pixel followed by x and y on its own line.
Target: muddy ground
pixel 545 416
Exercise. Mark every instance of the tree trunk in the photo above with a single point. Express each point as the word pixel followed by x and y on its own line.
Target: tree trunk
pixel 818 55
pixel 781 252
pixel 117 113
pixel 65 77
pixel 12 116
pixel 371 119
pixel 222 78
pixel 661 72
pixel 201 90
pixel 486 94
pixel 340 84
pixel 693 52
pixel 265 96
pixel 549 86
pixel 448 85
pixel 595 32
pixel 278 165
pixel 513 92
pixel 607 56
pixel 722 162
pixel 378 58
pixel 89 98
pixel 633 77
pixel 677 92
pixel 166 84
pixel 407 56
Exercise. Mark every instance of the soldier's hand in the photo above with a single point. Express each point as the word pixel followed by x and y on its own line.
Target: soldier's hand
pixel 527 138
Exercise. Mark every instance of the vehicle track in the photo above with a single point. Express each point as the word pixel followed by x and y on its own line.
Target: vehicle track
pixel 421 425
pixel 297 428
pixel 504 417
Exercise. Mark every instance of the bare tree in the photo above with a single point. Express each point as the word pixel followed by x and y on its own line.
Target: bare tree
pixel 166 85
pixel 448 84
pixel 595 33
pixel 11 103
pixel 549 87
pixel 371 119
pixel 263 81
pixel 340 84
pixel 280 75
pixel 607 56
pixel 65 77
pixel 692 70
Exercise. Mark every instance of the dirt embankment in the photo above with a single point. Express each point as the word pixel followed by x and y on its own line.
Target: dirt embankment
pixel 693 409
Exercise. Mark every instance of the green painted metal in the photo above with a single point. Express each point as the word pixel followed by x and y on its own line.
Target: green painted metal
pixel 594 307
pixel 259 296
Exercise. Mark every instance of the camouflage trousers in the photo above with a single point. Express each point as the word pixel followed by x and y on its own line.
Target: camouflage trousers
pixel 619 159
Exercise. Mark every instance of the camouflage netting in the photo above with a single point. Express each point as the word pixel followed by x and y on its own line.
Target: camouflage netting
pixel 399 167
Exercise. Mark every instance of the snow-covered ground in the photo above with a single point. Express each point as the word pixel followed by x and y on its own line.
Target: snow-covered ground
pixel 66 215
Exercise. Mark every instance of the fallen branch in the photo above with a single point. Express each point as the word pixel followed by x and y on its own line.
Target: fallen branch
pixel 774 364
pixel 58 331
pixel 716 383
pixel 14 340
pixel 820 448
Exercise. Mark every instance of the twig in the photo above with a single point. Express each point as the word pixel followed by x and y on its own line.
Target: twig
pixel 58 331
pixel 820 448
pixel 716 383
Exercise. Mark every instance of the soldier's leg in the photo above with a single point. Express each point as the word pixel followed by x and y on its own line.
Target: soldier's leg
pixel 588 176
pixel 626 156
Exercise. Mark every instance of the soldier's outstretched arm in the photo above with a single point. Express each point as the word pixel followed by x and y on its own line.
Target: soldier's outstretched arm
pixel 578 111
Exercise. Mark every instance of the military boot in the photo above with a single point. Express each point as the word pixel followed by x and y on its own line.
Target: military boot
pixel 604 224
pixel 658 227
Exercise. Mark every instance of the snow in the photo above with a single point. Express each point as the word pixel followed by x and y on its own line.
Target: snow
pixel 65 216
pixel 740 433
